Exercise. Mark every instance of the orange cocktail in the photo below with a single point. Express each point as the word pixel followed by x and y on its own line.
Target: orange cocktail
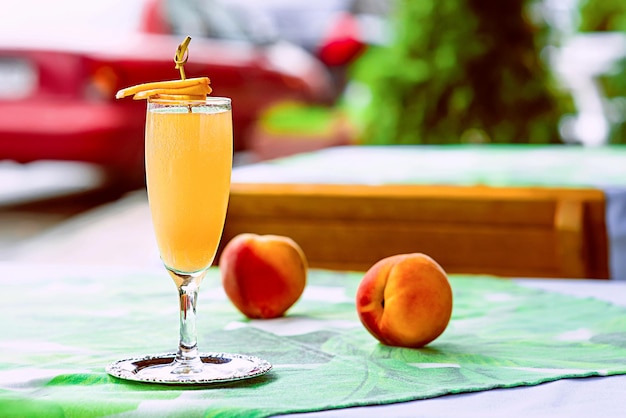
pixel 188 164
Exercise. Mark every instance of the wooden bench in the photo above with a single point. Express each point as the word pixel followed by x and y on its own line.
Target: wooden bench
pixel 521 232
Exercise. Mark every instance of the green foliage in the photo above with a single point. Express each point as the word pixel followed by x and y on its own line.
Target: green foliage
pixel 614 86
pixel 601 16
pixel 297 119
pixel 460 71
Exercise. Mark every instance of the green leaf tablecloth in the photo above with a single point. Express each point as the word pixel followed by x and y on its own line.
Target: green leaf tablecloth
pixel 60 328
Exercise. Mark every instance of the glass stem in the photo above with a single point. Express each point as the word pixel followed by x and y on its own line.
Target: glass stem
pixel 188 345
pixel 187 356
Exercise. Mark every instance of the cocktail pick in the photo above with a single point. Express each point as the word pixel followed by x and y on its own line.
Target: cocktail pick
pixel 181 57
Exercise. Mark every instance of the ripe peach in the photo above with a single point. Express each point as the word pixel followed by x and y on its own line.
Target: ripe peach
pixel 263 275
pixel 405 300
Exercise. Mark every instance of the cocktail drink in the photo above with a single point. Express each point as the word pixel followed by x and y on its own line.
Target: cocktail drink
pixel 188 165
pixel 189 151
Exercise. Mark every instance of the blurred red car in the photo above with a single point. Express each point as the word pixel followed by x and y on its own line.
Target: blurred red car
pixel 61 64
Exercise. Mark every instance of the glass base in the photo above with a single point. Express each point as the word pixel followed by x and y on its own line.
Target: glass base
pixel 215 368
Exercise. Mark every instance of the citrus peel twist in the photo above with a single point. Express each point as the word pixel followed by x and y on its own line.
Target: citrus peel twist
pixel 185 88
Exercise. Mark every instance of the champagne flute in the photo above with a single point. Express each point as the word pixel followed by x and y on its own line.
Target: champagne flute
pixel 189 152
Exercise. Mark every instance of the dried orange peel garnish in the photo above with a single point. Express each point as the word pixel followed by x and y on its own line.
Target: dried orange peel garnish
pixel 189 87
pixel 186 88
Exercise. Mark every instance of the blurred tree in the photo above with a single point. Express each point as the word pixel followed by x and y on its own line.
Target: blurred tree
pixel 602 15
pixel 460 71
pixel 609 16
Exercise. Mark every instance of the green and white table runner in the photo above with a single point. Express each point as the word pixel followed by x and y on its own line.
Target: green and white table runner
pixel 61 327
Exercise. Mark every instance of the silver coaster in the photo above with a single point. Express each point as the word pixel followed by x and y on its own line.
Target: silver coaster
pixel 218 368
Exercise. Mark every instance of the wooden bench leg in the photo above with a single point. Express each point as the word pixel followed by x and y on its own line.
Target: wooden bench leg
pixel 570 242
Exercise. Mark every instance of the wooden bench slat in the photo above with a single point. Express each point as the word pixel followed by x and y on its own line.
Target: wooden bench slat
pixel 533 232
